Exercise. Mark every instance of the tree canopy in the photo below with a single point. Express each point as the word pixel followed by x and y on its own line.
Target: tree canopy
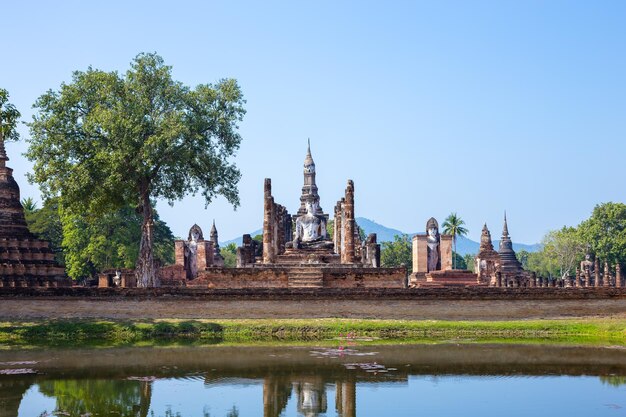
pixel 107 141
pixel 397 253
pixel 8 118
pixel 605 232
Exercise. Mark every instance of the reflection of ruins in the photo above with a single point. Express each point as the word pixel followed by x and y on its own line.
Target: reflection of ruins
pixel 86 381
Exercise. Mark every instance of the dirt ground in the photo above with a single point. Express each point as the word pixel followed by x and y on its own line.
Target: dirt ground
pixel 31 308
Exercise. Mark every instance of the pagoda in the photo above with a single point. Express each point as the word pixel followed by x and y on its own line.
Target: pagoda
pixel 25 260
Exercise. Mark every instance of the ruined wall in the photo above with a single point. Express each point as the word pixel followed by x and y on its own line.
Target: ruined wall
pixel 278 277
pixel 257 277
pixel 277 230
pixel 365 278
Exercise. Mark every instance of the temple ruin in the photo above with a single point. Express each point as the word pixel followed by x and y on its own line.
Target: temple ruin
pixel 25 260
pixel 298 251
pixel 432 261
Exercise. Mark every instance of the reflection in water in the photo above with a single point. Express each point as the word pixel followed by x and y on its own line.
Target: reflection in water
pixel 272 381
pixel 99 397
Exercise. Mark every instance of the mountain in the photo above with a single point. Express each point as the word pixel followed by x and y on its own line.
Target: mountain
pixel 385 234
pixel 463 244
pixel 239 240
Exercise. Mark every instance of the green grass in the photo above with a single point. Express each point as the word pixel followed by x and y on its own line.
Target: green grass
pixel 157 332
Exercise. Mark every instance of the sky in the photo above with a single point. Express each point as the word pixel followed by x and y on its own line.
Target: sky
pixel 473 107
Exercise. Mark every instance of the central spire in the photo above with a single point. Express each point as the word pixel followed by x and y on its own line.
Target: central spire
pixel 309 189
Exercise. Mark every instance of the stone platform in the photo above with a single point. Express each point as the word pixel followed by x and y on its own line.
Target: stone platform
pixel 449 278
pixel 307 256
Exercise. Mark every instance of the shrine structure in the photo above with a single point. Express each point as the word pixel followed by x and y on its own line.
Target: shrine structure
pixel 298 251
pixel 25 260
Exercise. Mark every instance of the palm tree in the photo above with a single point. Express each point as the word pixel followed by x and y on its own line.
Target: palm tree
pixel 453 225
pixel 29 205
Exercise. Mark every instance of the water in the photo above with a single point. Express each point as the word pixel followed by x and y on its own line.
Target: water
pixel 427 380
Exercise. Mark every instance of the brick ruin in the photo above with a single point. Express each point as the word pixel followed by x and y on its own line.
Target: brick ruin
pixel 297 251
pixel 304 251
pixel 25 260
pixel 432 260
pixel 494 269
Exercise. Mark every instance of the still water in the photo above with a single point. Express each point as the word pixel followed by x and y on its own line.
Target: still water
pixel 408 380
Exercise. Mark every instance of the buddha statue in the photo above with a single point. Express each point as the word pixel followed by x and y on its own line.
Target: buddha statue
pixel 311 229
pixel 432 240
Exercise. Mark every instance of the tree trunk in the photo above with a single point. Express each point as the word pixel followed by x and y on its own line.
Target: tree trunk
pixel 145 270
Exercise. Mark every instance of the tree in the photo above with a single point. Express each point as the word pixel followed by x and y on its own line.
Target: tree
pixel 29 205
pixel 453 225
pixel 93 244
pixel 459 261
pixel 397 253
pixel 605 232
pixel 565 248
pixel 229 253
pixel 8 118
pixel 469 259
pixel 105 142
pixel 45 223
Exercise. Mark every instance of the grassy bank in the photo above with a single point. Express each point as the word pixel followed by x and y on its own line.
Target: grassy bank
pixel 88 332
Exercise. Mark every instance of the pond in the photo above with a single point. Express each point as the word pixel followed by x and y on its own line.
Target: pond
pixel 446 379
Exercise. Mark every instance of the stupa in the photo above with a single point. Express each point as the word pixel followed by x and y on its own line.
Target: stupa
pixel 25 260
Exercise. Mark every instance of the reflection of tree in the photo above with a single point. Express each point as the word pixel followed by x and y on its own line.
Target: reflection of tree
pixel 614 380
pixel 77 397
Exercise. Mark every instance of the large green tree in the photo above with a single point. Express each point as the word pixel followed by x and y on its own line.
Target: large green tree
pixel 106 141
pixel 605 232
pixel 454 225
pixel 565 249
pixel 397 253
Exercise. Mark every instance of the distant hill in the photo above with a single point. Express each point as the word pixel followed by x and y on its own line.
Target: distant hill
pixel 239 240
pixel 463 244
pixel 386 234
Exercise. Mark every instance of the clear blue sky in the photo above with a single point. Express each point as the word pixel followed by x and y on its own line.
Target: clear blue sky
pixel 430 107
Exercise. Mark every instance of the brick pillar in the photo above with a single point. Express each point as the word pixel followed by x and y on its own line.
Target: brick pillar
pixel 498 279
pixel 533 280
pixel 268 256
pixel 179 252
pixel 337 227
pixel 577 282
pixel 204 254
pixel 606 281
pixel 618 275
pixel 596 273
pixel 348 227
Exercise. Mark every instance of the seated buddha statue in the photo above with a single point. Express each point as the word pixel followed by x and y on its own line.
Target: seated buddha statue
pixel 311 229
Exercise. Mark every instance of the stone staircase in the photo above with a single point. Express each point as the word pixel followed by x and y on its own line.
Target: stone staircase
pixel 306 277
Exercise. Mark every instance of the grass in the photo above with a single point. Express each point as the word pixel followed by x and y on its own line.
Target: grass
pixel 263 331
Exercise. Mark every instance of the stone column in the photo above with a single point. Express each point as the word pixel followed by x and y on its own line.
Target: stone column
pixel 348 230
pixel 596 273
pixel 577 283
pixel 337 228
pixel 618 275
pixel 533 280
pixel 268 256
pixel 606 281
pixel 204 254
pixel 498 279
pixel 346 397
pixel 179 252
